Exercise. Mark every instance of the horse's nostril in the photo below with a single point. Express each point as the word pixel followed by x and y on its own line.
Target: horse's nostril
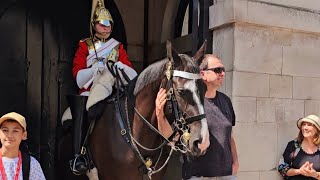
pixel 197 142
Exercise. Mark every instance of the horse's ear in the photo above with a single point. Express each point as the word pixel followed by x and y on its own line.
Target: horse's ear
pixel 201 52
pixel 176 57
pixel 169 50
pixel 172 54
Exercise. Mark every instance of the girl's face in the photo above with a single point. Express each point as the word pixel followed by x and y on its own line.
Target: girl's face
pixel 11 134
pixel 102 29
pixel 308 130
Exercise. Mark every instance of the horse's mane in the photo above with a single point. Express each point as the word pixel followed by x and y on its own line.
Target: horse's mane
pixel 150 75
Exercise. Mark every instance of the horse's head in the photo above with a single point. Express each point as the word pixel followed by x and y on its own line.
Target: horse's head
pixel 185 99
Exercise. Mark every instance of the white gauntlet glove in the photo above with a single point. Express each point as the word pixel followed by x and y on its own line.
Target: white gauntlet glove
pixel 119 65
pixel 84 77
pixel 131 73
pixel 99 67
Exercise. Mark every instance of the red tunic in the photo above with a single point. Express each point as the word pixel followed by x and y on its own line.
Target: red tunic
pixel 80 59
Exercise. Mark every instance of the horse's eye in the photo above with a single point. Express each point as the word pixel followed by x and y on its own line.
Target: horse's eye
pixel 181 92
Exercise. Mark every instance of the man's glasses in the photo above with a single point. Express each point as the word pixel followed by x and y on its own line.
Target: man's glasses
pixel 217 70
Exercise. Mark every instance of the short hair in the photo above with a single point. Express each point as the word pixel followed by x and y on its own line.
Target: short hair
pixel 204 63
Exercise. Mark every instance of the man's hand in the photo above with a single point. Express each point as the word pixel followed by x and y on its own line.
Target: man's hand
pixel 160 102
pixel 163 125
pixel 235 168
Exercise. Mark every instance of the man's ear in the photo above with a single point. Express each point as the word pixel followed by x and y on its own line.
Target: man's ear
pixel 202 74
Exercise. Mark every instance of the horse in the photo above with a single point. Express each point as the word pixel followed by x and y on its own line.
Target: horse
pixel 129 146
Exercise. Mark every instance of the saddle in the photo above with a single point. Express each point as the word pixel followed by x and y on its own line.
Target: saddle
pixel 124 101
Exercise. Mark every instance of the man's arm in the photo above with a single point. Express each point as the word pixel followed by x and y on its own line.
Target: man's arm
pixel 235 164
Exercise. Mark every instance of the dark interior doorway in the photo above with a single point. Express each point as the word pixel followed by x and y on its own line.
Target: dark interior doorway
pixel 39 39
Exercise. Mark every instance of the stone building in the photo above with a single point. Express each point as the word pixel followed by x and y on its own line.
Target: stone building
pixel 271 51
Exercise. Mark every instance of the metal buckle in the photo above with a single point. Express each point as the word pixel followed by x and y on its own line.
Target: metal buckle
pixel 169 94
pixel 123 132
pixel 83 150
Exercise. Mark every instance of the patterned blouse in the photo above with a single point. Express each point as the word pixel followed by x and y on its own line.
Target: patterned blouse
pixel 295 157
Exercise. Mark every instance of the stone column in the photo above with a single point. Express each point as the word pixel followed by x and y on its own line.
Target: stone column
pixel 271 50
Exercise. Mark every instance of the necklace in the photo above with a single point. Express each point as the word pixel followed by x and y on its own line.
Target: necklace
pixel 3 173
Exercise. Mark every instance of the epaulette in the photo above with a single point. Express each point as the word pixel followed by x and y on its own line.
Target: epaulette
pixel 84 39
pixel 88 41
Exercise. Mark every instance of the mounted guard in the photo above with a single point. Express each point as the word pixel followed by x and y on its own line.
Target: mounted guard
pixel 97 61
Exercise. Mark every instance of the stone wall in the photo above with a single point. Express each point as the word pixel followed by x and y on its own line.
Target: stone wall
pixel 271 52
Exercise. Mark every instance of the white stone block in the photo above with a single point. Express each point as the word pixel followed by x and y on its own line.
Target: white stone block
pixel 240 10
pixel 245 109
pixel 305 40
pixel 250 84
pixel 270 175
pixel 223 46
pixel 279 110
pixel 308 4
pixel 266 14
pixel 280 86
pixel 259 12
pixel 300 61
pixel 252 35
pixel 306 88
pixel 287 131
pixel 260 58
pixel 248 175
pixel 253 141
pixel 221 13
pixel 312 107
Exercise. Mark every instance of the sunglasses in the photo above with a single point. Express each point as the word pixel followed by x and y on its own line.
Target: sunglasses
pixel 217 70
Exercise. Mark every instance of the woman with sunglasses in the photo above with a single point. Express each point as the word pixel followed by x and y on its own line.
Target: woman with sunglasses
pixel 301 158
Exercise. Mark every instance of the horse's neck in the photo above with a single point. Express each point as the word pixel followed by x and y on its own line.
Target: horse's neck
pixel 145 104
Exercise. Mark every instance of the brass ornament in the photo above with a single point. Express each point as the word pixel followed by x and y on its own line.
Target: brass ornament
pixel 99 14
pixel 148 163
pixel 168 71
pixel 186 136
pixel 113 56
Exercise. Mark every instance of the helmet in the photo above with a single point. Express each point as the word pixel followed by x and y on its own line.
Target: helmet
pixel 100 14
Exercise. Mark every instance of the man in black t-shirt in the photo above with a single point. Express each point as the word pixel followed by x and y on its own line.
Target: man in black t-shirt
pixel 220 161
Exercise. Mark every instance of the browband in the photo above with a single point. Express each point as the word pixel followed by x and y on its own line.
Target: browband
pixel 186 75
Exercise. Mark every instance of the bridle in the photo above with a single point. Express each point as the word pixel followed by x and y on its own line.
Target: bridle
pixel 179 119
pixel 180 122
